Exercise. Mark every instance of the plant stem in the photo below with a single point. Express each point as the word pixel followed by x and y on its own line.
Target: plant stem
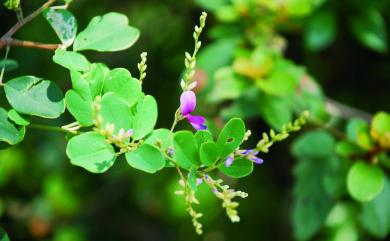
pixel 3 69
pixel 27 44
pixel 48 128
pixel 27 19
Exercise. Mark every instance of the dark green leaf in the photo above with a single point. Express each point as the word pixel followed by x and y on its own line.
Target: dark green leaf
pixel 3 235
pixel 369 28
pixel 376 214
pixel 8 64
pixel 321 30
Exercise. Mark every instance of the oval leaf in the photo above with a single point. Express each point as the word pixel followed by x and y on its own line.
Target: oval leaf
pixel 64 24
pixel 146 158
pixel 160 137
pixel 17 118
pixel 115 110
pixel 208 153
pixel 364 181
pixel 34 96
pixel 91 151
pixel 185 149
pixel 71 60
pixel 240 168
pixel 231 137
pixel 80 108
pixel 8 132
pixel 145 118
pixel 121 83
pixel 109 32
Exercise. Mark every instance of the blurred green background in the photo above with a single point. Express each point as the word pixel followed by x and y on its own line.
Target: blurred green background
pixel 44 197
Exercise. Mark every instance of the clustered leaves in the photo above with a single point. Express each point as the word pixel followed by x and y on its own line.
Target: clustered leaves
pixel 114 117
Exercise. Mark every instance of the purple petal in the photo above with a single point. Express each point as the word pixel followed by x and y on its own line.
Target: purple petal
pixel 197 121
pixel 187 102
pixel 199 181
pixel 246 151
pixel 229 161
pixel 257 160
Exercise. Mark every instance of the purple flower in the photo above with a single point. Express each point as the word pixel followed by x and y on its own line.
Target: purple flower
pixel 229 161
pixel 187 106
pixel 251 155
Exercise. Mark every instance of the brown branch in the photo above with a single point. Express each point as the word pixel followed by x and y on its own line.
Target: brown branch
pixel 27 44
pixel 27 19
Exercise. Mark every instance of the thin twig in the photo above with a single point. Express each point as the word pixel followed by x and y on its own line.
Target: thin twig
pixel 27 19
pixel 28 44
pixel 336 108
pixel 3 69
pixel 48 128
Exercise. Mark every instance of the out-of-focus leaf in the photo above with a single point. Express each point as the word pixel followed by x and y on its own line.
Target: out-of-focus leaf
pixel 64 24
pixel 275 110
pixel 211 5
pixel 365 181
pixel 321 30
pixel 376 214
pixel 369 28
pixel 380 128
pixel 34 96
pixel 3 235
pixel 311 206
pixel 109 32
pixel 8 64
pixel 358 132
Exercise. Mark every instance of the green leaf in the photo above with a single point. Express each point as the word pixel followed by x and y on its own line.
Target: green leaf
pixel 311 202
pixel 9 133
pixel 71 60
pixel 120 82
pixel 230 137
pixel 358 132
pixel 17 118
pixel 321 30
pixel 80 85
pixel 348 149
pixel 115 110
pixel 185 149
pixel 241 167
pixel 192 178
pixel 96 78
pixel 369 28
pixel 35 96
pixel 145 117
pixel 365 181
pixel 91 151
pixel 8 64
pixel 80 108
pixel 208 153
pixel 109 32
pixel 64 24
pixel 211 5
pixel 203 136
pixel 146 158
pixel 228 85
pixel 376 214
pixel 162 137
pixel 3 235
pixel 380 128
pixel 275 110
